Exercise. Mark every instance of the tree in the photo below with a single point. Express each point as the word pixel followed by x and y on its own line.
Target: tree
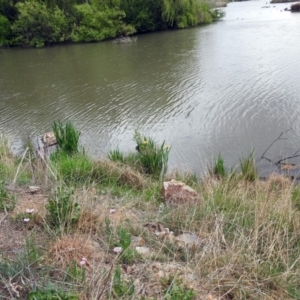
pixel 4 30
pixel 36 25
pixel 93 24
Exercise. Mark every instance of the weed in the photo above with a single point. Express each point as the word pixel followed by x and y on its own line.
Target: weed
pixel 248 168
pixel 175 290
pixel 76 274
pixel 67 137
pixel 128 254
pixel 24 263
pixel 120 287
pixel 63 211
pixel 109 231
pixel 52 294
pixel 116 155
pixel 7 202
pixel 218 169
pixel 296 197
pixel 154 158
pixel 124 238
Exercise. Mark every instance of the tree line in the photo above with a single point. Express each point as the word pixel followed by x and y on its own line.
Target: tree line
pixel 43 22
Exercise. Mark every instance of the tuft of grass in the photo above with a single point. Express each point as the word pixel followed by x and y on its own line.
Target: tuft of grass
pixel 128 254
pixel 67 137
pixel 7 202
pixel 176 290
pixel 52 294
pixel 73 170
pixel 218 169
pixel 116 155
pixel 76 274
pixel 120 287
pixel 63 211
pixel 248 167
pixel 154 158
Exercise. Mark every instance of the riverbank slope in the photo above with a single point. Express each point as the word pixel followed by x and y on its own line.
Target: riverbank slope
pixel 82 229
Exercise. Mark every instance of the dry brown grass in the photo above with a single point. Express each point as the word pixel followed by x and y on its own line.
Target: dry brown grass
pixel 123 174
pixel 67 249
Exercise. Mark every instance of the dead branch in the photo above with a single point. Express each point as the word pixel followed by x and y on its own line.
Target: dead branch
pixel 279 162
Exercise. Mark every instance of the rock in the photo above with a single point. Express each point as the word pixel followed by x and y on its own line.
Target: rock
pixel 189 240
pixel 178 192
pixel 34 189
pixel 137 241
pixel 142 250
pixel 158 229
pixel 49 139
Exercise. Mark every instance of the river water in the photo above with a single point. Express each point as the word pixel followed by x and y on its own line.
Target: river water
pixel 227 88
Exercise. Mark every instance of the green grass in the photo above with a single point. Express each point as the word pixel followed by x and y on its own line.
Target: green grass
pixel 153 157
pixel 67 137
pixel 7 202
pixel 73 170
pixel 63 210
pixel 218 168
pixel 116 155
pixel 248 167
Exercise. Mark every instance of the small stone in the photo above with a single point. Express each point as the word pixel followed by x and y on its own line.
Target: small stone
pixel 82 263
pixel 161 273
pixel 142 250
pixel 29 211
pixel 112 211
pixel 117 249
pixel 26 220
pixel 188 240
pixel 34 189
pixel 49 139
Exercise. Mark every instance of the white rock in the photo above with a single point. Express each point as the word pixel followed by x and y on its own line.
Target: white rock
pixel 142 250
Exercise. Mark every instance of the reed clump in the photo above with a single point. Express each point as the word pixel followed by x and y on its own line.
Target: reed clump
pixel 67 137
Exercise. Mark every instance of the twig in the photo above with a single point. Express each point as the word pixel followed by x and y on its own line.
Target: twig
pixel 19 166
pixel 3 217
pixel 279 161
pixel 106 281
pixel 279 138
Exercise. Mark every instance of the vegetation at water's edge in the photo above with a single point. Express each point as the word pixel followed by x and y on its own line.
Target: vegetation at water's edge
pixel 38 23
pixel 78 231
pixel 281 1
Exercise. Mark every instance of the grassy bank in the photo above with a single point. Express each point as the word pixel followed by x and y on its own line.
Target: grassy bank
pixel 99 229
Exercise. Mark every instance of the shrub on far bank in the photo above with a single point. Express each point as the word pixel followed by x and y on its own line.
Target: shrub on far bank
pixel 94 24
pixel 295 7
pixel 4 30
pixel 37 25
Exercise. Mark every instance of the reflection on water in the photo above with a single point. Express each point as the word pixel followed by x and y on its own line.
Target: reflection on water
pixel 228 87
